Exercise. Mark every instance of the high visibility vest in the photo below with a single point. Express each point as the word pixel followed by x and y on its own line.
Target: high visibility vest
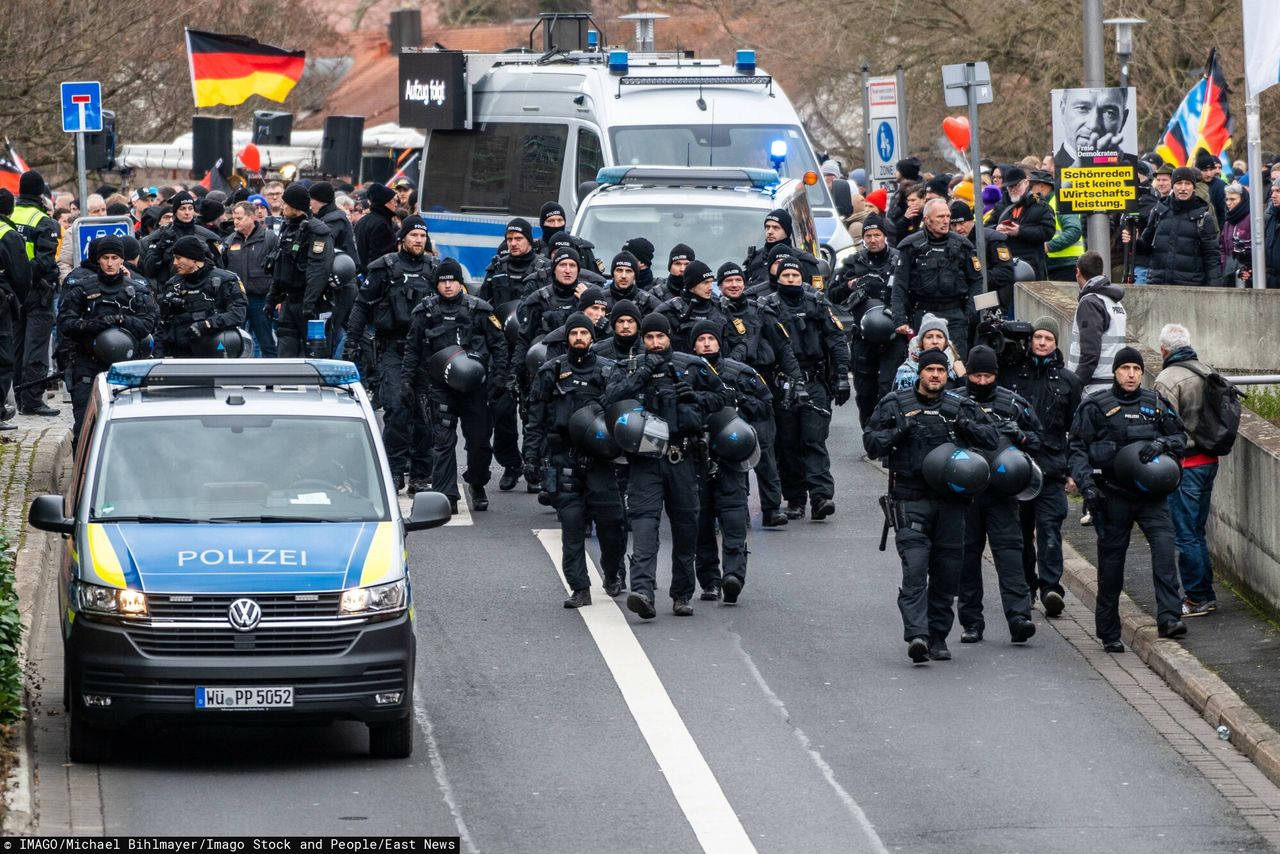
pixel 1075 250
pixel 26 218
pixel 5 228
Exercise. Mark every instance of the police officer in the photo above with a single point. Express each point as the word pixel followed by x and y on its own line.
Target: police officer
pixel 928 527
pixel 553 222
pixel 937 272
pixel 624 344
pixel 395 284
pixel 724 486
pixel 1106 422
pixel 682 390
pixel 670 285
pixel 695 305
pixel 15 285
pixel 777 229
pixel 767 350
pixel 1054 393
pixel 623 285
pixel 591 270
pixel 865 277
pixel 642 248
pixel 157 247
pixel 823 355
pixel 89 307
pixel 343 294
pixel 453 317
pixel 992 515
pixel 199 302
pixel 1001 272
pixel 42 236
pixel 583 486
pixel 300 272
pixel 549 307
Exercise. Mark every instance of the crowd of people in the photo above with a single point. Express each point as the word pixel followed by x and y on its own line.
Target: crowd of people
pixel 619 391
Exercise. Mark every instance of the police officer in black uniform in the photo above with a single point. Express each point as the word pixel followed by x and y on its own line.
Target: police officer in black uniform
pixel 394 285
pixel 777 229
pixel 939 272
pixel 929 527
pixel 553 222
pixel 583 486
pixel 681 389
pixel 643 249
pixel 300 272
pixel 695 305
pixel 767 350
pixel 15 285
pixel 1001 270
pixel 624 344
pixel 42 235
pixel 823 355
pixel 453 317
pixel 94 304
pixel 724 484
pixel 992 515
pixel 1104 424
pixel 157 247
pixel 342 295
pixel 670 285
pixel 624 268
pixel 199 302
pixel 863 281
pixel 547 308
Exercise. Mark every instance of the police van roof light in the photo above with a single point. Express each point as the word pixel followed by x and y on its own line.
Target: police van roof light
pixel 778 153
pixel 618 61
pixel 683 176
pixel 593 39
pixel 745 61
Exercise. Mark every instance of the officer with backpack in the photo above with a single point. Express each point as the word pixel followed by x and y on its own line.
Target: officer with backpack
pixel 1210 410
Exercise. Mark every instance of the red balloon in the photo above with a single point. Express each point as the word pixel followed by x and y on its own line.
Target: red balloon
pixel 957 130
pixel 251 157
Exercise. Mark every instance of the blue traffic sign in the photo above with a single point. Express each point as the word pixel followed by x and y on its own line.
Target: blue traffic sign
pixel 82 107
pixel 885 142
pixel 90 228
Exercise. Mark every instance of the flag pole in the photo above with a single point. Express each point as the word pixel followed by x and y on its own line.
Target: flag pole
pixel 1257 229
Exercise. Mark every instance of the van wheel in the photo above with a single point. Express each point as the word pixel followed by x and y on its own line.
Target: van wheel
pixel 393 740
pixel 87 743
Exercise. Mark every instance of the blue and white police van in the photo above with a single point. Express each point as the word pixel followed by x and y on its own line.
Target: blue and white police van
pixel 234 553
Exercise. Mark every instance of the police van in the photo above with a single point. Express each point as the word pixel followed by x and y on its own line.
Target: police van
pixel 234 553
pixel 542 126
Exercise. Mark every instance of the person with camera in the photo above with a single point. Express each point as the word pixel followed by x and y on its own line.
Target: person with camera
pixel 1234 240
pixel 1054 393
pixel 1108 476
pixel 199 302
pixel 928 524
pixel 580 483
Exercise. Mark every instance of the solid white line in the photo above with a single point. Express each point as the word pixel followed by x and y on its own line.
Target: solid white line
pixel 462 517
pixel 437 768
pixel 696 789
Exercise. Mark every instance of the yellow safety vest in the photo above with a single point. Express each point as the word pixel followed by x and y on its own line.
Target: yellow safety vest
pixel 1075 250
pixel 26 215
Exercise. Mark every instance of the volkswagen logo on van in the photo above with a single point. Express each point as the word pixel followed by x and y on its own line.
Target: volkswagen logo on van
pixel 244 615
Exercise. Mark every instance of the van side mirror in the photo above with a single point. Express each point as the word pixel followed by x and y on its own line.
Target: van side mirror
pixel 586 187
pixel 430 510
pixel 46 514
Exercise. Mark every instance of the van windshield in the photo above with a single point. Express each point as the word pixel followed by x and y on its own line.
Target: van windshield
pixel 717 234
pixel 717 145
pixel 227 468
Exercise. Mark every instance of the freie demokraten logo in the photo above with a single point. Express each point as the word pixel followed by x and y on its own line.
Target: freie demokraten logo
pixel 433 91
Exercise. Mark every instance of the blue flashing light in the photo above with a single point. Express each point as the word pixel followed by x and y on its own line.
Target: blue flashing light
pixel 618 61
pixel 130 374
pixel 778 153
pixel 611 174
pixel 336 371
pixel 745 61
pixel 315 330
pixel 593 39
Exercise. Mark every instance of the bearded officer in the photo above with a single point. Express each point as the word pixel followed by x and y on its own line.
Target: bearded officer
pixel 300 272
pixel 624 344
pixel 938 272
pixel 199 302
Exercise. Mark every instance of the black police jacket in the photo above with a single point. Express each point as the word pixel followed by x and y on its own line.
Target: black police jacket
pixel 755 269
pixel 1002 275
pixel 935 274
pixel 509 277
pixel 15 269
pixel 157 248
pixel 906 426
pixel 863 276
pixel 211 297
pixel 1011 413
pixel 375 235
pixel 466 321
pixel 652 382
pixel 747 389
pixel 44 234
pixel 92 303
pixel 303 264
pixel 1054 393
pixel 817 335
pixel 767 342
pixel 1108 420
pixel 645 302
pixel 686 311
pixel 344 238
pixel 562 386
pixel 615 351
pixel 394 285
pixel 542 311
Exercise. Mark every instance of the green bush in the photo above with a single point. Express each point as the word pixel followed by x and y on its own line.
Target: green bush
pixel 1264 401
pixel 11 709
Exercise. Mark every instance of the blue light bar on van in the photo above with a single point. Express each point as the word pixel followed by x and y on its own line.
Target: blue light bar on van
pixel 593 40
pixel 682 176
pixel 618 61
pixel 130 374
pixel 207 373
pixel 745 61
pixel 778 153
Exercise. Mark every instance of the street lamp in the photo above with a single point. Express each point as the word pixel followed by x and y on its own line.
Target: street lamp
pixel 1124 43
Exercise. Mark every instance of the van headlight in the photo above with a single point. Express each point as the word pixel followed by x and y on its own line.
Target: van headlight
pixel 382 599
pixel 111 600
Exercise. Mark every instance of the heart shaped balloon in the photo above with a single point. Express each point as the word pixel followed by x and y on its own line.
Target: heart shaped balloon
pixel 957 130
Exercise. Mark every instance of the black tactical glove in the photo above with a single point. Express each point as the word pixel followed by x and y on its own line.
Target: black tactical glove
pixel 111 320
pixel 270 311
pixel 842 390
pixel 197 329
pixel 1092 500
pixel 685 393
pixel 1014 432
pixel 904 426
pixel 655 362
pixel 1152 450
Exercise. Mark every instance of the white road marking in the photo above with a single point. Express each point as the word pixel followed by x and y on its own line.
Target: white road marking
pixel 437 768
pixel 462 517
pixel 696 789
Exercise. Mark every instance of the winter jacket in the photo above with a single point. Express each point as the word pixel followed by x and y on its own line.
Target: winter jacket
pixel 1036 227
pixel 1183 241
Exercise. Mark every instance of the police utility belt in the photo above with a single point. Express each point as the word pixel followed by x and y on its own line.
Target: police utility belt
pixel 938 305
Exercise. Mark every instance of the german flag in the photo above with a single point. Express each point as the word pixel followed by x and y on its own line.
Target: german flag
pixel 1202 120
pixel 228 69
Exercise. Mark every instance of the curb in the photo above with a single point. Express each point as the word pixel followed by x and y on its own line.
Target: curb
pixel 1213 698
pixel 40 551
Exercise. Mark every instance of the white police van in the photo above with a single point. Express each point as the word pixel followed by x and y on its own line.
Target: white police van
pixel 542 126
pixel 234 553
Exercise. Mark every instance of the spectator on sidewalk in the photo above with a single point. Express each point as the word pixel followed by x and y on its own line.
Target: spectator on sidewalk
pixel 1236 232
pixel 1028 222
pixel 1182 381
pixel 1182 237
pixel 1098 328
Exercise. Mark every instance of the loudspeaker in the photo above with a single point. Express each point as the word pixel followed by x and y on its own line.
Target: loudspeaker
pixel 211 141
pixel 272 128
pixel 100 148
pixel 342 145
pixel 405 29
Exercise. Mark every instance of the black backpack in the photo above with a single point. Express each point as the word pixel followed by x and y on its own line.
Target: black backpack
pixel 1220 416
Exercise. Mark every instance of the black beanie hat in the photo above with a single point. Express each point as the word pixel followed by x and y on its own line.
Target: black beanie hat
pixel 1186 173
pixel 592 296
pixel 295 196
pixel 782 218
pixel 781 248
pixel 680 252
pixel 521 225
pixel 189 246
pixel 960 212
pixel 875 221
pixel 550 209
pixel 982 360
pixel 640 247
pixel 119 209
pixel 322 192
pixel 31 183
pixel 727 269
pixel 210 210
pixel 909 168
pixel 132 247
pixel 6 202
pixel 566 252
pixel 625 260
pixel 380 194
pixel 1126 356
pixel 939 187
pixel 791 264
pixel 578 320
pixel 655 322
pixel 111 245
pixel 413 223
pixel 1205 160
pixel 695 274
pixel 932 357
pixel 624 308
pixel 705 327
pixel 182 197
pixel 448 271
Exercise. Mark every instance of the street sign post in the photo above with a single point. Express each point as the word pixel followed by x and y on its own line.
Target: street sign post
pixel 81 114
pixel 89 228
pixel 885 128
pixel 970 84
